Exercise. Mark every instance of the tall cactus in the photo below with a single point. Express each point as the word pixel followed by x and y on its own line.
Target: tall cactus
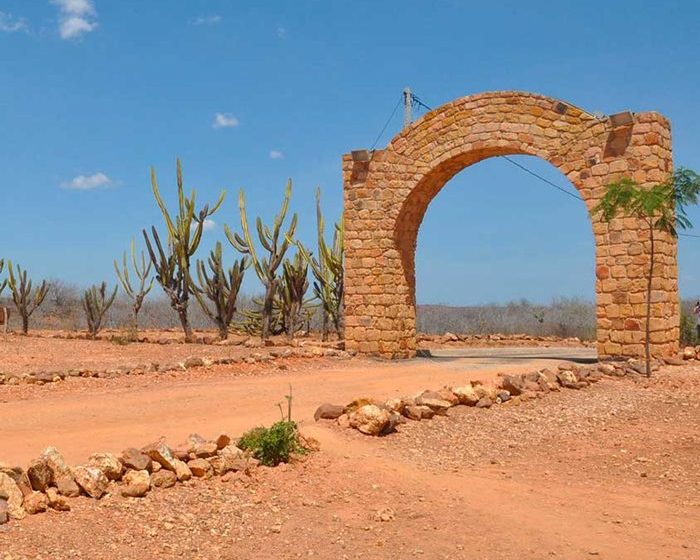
pixel 4 282
pixel 25 297
pixel 137 292
pixel 328 271
pixel 96 303
pixel 221 288
pixel 292 290
pixel 274 243
pixel 172 263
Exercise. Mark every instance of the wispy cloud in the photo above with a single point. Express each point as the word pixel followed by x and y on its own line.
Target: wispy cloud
pixel 208 224
pixel 224 120
pixel 76 17
pixel 281 32
pixel 88 182
pixel 276 154
pixel 206 20
pixel 11 24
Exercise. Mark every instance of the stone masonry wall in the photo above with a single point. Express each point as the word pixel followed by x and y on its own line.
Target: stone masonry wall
pixel 386 199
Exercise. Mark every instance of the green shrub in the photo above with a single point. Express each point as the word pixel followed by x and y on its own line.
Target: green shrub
pixel 273 445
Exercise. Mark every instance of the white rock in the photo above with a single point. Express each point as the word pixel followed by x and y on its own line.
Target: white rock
pixel 370 419
pixel 466 395
pixel 136 484
pixel 108 464
pixel 92 480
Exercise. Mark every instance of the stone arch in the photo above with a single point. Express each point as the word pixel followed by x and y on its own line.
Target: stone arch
pixel 387 192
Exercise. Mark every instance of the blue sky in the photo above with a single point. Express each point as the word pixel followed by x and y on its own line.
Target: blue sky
pixel 93 92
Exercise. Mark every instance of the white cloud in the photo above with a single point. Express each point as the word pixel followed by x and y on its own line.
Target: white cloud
pixel 88 182
pixel 281 32
pixel 74 27
pixel 276 154
pixel 208 224
pixel 76 17
pixel 11 24
pixel 225 120
pixel 206 20
pixel 75 7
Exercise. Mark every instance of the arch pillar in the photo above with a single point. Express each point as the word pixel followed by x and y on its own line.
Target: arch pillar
pixel 386 197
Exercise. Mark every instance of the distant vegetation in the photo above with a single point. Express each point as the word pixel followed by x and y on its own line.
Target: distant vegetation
pixel 689 336
pixel 563 317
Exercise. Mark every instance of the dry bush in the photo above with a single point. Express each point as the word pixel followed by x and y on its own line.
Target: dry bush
pixel 62 310
pixel 563 317
pixel 688 331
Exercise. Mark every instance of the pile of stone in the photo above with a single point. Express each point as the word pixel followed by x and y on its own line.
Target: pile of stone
pixel 49 482
pixel 381 418
pixel 192 362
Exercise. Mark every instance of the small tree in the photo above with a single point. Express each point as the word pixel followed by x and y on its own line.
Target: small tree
pixel 25 297
pixel 172 262
pixel 276 245
pixel 136 292
pixel 96 303
pixel 221 288
pixel 328 271
pixel 661 208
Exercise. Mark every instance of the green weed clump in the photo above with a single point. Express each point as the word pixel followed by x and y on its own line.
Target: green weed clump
pixel 276 444
pixel 273 445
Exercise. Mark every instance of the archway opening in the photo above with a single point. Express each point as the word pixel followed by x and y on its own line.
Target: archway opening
pixel 506 247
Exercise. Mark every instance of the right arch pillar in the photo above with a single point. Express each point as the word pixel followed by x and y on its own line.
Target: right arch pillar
pixel 622 253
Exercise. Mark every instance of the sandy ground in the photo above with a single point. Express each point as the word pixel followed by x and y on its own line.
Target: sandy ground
pixel 39 352
pixel 46 351
pixel 81 416
pixel 608 472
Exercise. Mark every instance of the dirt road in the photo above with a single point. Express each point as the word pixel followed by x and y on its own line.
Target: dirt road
pixel 82 416
pixel 609 472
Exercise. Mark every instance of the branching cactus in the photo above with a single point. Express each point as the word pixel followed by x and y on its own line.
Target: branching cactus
pixel 172 261
pixel 328 272
pixel 220 287
pixel 292 290
pixel 252 318
pixel 136 291
pixel 96 303
pixel 274 242
pixel 25 297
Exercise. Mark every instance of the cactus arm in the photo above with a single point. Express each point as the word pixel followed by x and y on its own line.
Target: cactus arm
pixel 266 239
pixel 163 209
pixel 257 264
pixel 123 277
